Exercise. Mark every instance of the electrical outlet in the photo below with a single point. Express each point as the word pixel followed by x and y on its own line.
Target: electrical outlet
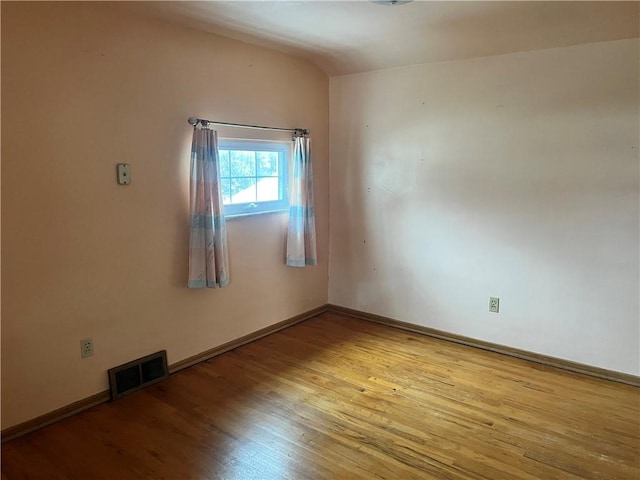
pixel 86 347
pixel 494 304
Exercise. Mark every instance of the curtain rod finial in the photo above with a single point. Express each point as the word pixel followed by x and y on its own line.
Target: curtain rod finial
pixel 193 121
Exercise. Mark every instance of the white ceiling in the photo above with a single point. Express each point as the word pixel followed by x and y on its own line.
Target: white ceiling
pixel 344 37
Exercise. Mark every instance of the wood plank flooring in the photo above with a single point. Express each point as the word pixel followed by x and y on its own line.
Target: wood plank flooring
pixel 340 398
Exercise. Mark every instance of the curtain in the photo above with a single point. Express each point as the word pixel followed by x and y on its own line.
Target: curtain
pixel 208 262
pixel 301 236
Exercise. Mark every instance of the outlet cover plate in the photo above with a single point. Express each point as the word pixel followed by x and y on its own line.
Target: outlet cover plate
pixel 494 304
pixel 86 347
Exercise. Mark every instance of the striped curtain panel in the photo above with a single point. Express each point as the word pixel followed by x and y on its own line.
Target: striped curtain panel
pixel 301 237
pixel 208 262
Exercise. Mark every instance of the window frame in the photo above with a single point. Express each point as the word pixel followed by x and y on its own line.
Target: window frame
pixel 284 151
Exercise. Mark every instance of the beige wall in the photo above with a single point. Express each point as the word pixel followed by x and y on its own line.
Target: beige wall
pixel 513 176
pixel 84 87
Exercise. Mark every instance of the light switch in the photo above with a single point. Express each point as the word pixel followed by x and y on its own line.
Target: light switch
pixel 124 174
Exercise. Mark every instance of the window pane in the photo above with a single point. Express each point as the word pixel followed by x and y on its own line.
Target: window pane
pixel 243 190
pixel 267 163
pixel 268 189
pixel 226 191
pixel 224 162
pixel 253 172
pixel 243 163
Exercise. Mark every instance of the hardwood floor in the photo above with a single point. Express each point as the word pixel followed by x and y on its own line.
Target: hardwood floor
pixel 336 397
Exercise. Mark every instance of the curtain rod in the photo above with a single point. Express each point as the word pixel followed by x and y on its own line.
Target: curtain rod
pixel 194 121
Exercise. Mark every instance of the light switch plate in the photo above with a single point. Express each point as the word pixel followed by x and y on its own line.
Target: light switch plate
pixel 124 174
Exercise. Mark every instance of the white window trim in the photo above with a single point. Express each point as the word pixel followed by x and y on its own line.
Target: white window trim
pixel 259 208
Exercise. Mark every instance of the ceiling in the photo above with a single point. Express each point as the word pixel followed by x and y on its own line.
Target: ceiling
pixel 344 37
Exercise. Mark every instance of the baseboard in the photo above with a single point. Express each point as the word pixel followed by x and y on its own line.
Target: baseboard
pixel 568 365
pixel 54 416
pixel 252 337
pixel 76 407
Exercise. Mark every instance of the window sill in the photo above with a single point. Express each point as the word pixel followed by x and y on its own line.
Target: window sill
pixel 253 214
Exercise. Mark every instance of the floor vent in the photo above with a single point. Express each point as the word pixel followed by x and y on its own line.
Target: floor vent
pixel 137 374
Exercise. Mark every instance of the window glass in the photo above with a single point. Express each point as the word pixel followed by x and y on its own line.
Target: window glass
pixel 253 176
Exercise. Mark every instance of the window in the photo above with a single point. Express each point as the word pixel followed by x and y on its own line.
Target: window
pixel 254 176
